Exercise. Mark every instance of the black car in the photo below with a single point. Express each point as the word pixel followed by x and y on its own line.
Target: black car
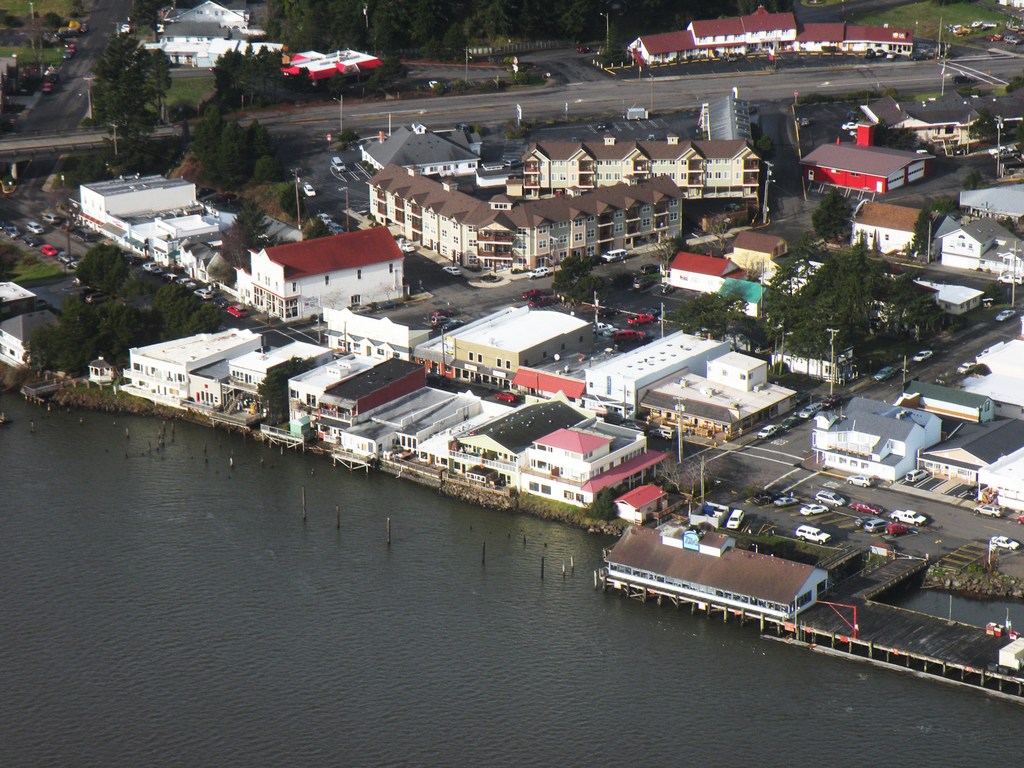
pixel 32 242
pixel 82 235
pixel 649 269
pixel 963 80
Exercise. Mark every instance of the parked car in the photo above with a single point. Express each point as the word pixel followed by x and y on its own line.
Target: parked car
pixel 809 410
pixel 861 481
pixel 237 310
pixel 865 508
pixel 908 517
pixel 988 510
pixel 965 368
pixel 452 269
pixel 1005 315
pixel 923 355
pixel 830 498
pixel 48 250
pixel 896 529
pixel 884 373
pixel 915 476
pixel 11 231
pixel 1004 542
pixel 788 423
pixel 641 318
pixel 307 190
pixel 544 300
pixel 962 80
pixel 808 510
pixel 874 525
pixel 735 520
pixel 618 254
pixel 769 430
pixel 507 397
pixel 786 500
pixel 151 266
pixel 605 329
pixel 812 534
pixel 35 228
pixel 31 242
pixel 533 293
pixel 628 335
pixel 539 272
pixel 50 218
pixel 649 269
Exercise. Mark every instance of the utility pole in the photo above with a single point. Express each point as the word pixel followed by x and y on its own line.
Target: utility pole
pixel 298 206
pixel 764 203
pixel 465 77
pixel 341 115
pixel 832 359
pixel 88 83
pixel 999 147
pixel 114 126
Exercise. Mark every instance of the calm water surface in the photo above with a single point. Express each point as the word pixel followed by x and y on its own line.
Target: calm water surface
pixel 161 608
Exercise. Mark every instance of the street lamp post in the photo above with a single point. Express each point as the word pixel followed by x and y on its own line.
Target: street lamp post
pixel 607 29
pixel 341 115
pixel 88 85
pixel 298 207
pixel 999 147
pixel 764 203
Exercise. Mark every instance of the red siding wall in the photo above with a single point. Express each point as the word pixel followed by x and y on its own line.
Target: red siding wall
pixel 844 179
pixel 416 379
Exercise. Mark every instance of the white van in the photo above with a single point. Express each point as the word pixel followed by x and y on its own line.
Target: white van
pixel 812 534
pixel 618 254
pixel 337 166
pixel 915 476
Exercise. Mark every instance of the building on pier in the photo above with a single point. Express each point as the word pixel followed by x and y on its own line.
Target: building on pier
pixel 707 570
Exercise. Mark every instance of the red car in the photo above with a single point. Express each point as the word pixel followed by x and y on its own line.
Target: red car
pixel 543 301
pixel 896 529
pixel 237 310
pixel 869 509
pixel 642 318
pixel 533 293
pixel 48 250
pixel 584 49
pixel 507 397
pixel 1021 519
pixel 628 335
pixel 47 87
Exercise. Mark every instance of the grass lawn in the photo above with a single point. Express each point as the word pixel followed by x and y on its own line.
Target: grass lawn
pixel 32 270
pixel 24 8
pixel 28 57
pixel 188 91
pixel 924 18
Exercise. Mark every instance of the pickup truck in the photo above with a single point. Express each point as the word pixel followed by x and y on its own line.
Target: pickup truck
pixel 908 517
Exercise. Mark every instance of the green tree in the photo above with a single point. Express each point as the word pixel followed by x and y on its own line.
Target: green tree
pixel 382 78
pixel 1019 135
pixel 831 219
pixel 909 309
pixel 603 506
pixel 316 228
pixel 984 127
pixel 181 313
pixel 273 391
pixel 574 280
pixel 709 312
pixel 104 267
pixel 146 13
pixel 125 96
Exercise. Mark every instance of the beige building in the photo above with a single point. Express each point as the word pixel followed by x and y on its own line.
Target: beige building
pixel 490 350
pixel 505 233
pixel 701 169
pixel 756 252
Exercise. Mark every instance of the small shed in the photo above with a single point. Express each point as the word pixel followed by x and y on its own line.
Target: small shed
pixel 1012 654
pixel 101 372
pixel 642 503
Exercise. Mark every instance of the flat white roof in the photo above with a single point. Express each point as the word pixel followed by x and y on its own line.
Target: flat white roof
pixel 132 184
pixel 699 389
pixel 999 387
pixel 13 292
pixel 198 347
pixel 739 361
pixel 263 361
pixel 659 354
pixel 323 376
pixel 952 294
pixel 519 329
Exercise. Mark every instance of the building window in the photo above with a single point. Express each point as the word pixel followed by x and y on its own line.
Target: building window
pixel 359 274
pixel 391 268
pixel 327 279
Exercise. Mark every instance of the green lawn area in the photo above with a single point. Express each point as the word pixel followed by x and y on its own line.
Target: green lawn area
pixel 924 18
pixel 189 91
pixel 32 269
pixel 23 7
pixel 27 56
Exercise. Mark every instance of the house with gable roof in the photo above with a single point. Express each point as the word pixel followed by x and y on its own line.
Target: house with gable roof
pixel 431 153
pixel 982 244
pixel 863 167
pixel 883 227
pixel 869 437
pixel 756 252
pixel 296 280
pixel 16 332
pixel 700 273
pixel 641 504
pixel 944 123
pixel 1003 202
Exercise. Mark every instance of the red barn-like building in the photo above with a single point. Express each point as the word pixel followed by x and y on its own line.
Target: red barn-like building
pixel 862 166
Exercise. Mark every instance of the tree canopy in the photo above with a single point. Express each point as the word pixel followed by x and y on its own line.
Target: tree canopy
pixel 574 280
pixel 274 389
pixel 104 267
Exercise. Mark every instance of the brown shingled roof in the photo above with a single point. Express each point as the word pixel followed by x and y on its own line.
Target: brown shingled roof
pixel 737 571
pixel 756 241
pixel 897 217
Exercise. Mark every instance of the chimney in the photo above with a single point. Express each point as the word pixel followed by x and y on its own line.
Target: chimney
pixel 865 135
pixel 382 137
pixel 609 141
pixel 672 138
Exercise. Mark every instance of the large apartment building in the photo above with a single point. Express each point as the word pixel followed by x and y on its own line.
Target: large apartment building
pixel 503 233
pixel 701 169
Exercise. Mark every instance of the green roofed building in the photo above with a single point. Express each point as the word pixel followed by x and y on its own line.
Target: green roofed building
pixel 750 292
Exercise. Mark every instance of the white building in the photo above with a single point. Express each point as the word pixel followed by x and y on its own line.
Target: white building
pixel 641 504
pixel 431 153
pixel 883 227
pixel 984 245
pixel 248 371
pixel 868 437
pixel 162 239
pixel 703 274
pixel 213 14
pixel 379 338
pixel 306 389
pixel 15 333
pixel 1005 478
pixel 296 280
pixel 106 202
pixel 1004 383
pixel 953 299
pixel 197 48
pixel 161 372
pixel 619 383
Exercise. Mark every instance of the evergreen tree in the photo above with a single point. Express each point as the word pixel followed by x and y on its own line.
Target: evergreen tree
pixel 574 280
pixel 831 219
pixel 125 96
pixel 104 267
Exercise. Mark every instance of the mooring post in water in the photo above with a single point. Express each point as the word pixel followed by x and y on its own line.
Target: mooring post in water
pixel 572 565
pixel 32 426
pixel 524 541
pixel 303 503
pixel 337 517
pixel 563 569
pixel 542 568
pixel 389 531
pixel 126 435
pixel 595 578
pixel 231 462
pixel 483 555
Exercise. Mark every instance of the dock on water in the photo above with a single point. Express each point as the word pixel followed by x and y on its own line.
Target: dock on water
pixel 792 602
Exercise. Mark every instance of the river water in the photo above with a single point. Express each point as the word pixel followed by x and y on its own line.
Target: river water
pixel 160 607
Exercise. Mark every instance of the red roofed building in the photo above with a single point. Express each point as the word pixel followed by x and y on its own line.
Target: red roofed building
pixel 642 503
pixel 573 465
pixel 862 166
pixel 704 274
pixel 545 384
pixel 323 66
pixel 297 280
